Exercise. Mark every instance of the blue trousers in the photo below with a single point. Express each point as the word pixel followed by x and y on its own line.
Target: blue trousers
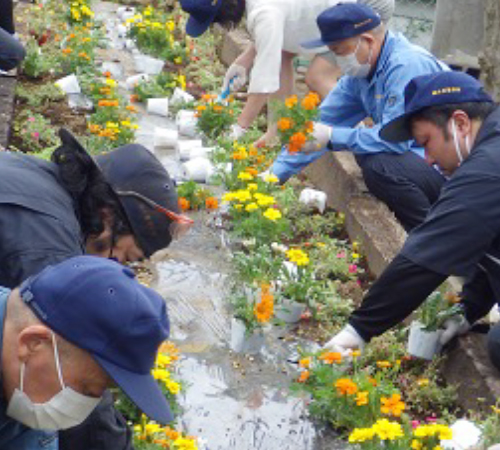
pixel 404 182
pixel 494 345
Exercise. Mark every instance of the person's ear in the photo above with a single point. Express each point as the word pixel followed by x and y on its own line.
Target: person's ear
pixel 462 122
pixel 32 340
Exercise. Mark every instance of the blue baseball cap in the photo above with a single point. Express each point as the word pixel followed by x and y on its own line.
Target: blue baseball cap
pixel 343 21
pixel 202 14
pixel 434 89
pixel 97 305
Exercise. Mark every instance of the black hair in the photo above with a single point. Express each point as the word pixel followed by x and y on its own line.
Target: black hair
pixel 92 194
pixel 440 115
pixel 231 13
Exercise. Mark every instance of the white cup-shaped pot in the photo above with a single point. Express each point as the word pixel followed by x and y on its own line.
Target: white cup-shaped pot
pixel 128 14
pixel 241 342
pixel 130 44
pixel 180 96
pixel 186 123
pixel 200 152
pixel 198 169
pixel 121 10
pixel 184 148
pixel 148 64
pixel 69 84
pixel 423 344
pixel 289 311
pixel 158 106
pixel 134 80
pixel 165 137
pixel 121 30
pixel 314 198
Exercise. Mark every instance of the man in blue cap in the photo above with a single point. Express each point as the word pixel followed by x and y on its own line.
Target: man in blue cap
pixel 457 123
pixel 68 333
pixel 376 65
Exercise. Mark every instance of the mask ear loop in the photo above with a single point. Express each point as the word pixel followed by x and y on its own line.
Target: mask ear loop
pixel 58 364
pixel 21 383
pixel 455 140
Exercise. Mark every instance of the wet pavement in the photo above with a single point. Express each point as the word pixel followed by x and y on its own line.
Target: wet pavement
pixel 231 401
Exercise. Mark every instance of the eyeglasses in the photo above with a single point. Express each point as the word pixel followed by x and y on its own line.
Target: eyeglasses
pixel 180 224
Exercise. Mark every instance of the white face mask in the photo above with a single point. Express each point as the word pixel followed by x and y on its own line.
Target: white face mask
pixel 457 145
pixel 349 64
pixel 66 409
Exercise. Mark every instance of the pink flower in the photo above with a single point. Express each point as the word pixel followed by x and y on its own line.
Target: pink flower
pixel 431 419
pixel 341 255
pixel 31 119
pixel 35 134
pixel 353 268
pixel 415 423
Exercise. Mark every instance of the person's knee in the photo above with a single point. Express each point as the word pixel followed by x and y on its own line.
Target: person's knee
pixel 494 345
pixel 11 54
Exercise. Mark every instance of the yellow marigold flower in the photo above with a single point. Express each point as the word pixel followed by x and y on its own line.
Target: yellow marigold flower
pixel 298 256
pixel 383 364
pixel 356 354
pixel 252 186
pixel 178 60
pixel 152 428
pixel 228 197
pixel 243 195
pixel 239 206
pixel 185 444
pixel 245 176
pixel 423 382
pixel 111 125
pixel 173 386
pixel 361 435
pixel 355 255
pixel 251 207
pixel 290 102
pixel 264 200
pixel 387 431
pixel 271 178
pixel 416 445
pixel 393 405
pixel 163 360
pixel 305 363
pixel 272 214
pixel 201 108
pixel 362 398
pixel 170 25
pixel 110 82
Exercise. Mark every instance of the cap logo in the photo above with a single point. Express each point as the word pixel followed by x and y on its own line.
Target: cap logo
pixel 214 2
pixel 360 24
pixel 447 90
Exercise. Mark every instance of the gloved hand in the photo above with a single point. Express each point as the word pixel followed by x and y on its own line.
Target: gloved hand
pixel 321 135
pixel 454 326
pixel 345 341
pixel 237 131
pixel 236 73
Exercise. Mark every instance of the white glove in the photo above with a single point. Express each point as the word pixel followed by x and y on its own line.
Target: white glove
pixel 236 73
pixel 454 326
pixel 494 447
pixel 321 135
pixel 237 131
pixel 345 341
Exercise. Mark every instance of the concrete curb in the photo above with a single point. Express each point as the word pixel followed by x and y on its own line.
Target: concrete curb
pixel 338 174
pixel 7 94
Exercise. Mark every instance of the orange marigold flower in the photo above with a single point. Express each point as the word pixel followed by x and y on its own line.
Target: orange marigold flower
pixel 331 357
pixel 252 151
pixel 296 142
pixel 66 51
pixel 104 90
pixel 218 108
pixel 393 405
pixel 305 363
pixel 71 36
pixel 285 124
pixel 383 364
pixel 83 55
pixel 345 386
pixel 107 74
pixel 290 102
pixel 134 98
pixel 131 108
pixel 252 171
pixel 309 126
pixel 103 103
pixel 211 203
pixel 310 101
pixel 264 309
pixel 184 203
pixel 372 381
pixel 201 108
pixel 304 376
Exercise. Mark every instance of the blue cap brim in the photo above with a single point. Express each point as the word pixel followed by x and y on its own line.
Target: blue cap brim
pixel 142 389
pixel 314 44
pixel 196 28
pixel 398 130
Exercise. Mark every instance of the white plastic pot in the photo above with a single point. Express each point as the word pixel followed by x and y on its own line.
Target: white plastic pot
pixel 186 123
pixel 200 152
pixel 80 102
pixel 165 137
pixel 128 15
pixel 130 44
pixel 241 342
pixel 148 64
pixel 423 344
pixel 121 10
pixel 158 106
pixel 69 84
pixel 289 311
pixel 314 198
pixel 134 80
pixel 121 31
pixel 180 96
pixel 198 169
pixel 466 435
pixel 113 68
pixel 185 147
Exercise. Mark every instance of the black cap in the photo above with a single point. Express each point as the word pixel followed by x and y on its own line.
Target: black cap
pixel 134 168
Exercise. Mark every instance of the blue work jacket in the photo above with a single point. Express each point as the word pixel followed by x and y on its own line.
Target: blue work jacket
pixel 380 97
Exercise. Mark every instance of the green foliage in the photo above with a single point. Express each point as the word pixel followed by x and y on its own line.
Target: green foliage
pixel 259 265
pixel 35 132
pixel 195 194
pixel 161 85
pixel 436 309
pixel 39 95
pixel 491 428
pixel 214 119
pixel 37 61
